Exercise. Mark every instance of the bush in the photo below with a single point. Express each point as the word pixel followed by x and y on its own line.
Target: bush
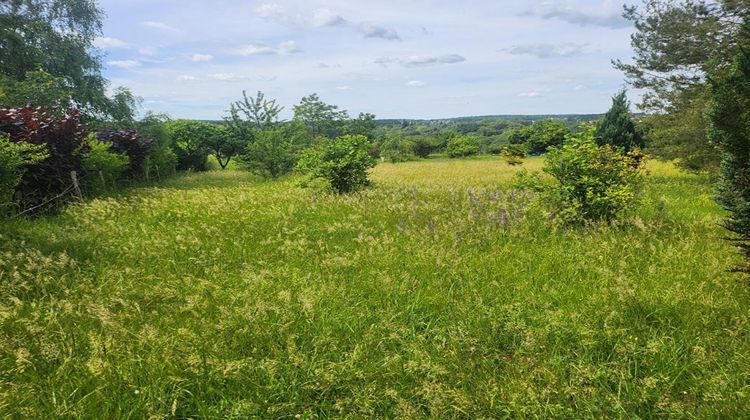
pixel 541 135
pixel 130 143
pixel 188 142
pixel 342 162
pixel 513 154
pixel 14 158
pixel 423 146
pixel 462 146
pixel 588 182
pixel 395 149
pixel 161 159
pixel 103 166
pixel 64 139
pixel 272 154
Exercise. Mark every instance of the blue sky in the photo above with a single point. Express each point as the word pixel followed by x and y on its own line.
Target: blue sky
pixel 396 59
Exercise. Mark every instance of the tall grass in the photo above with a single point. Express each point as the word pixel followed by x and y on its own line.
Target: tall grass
pixel 439 292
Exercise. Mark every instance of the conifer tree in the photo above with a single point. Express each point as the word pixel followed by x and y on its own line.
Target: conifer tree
pixel 617 127
pixel 729 114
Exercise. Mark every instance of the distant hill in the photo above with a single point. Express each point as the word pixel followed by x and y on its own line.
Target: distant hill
pixel 526 118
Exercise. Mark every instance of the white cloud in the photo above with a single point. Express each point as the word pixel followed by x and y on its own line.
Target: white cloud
pixel 271 11
pixel 186 78
pixel 227 77
pixel 419 61
pixel 148 51
pixel 285 48
pixel 548 50
pixel 160 26
pixel 201 58
pixel 320 18
pixel 343 88
pixel 579 88
pixel 530 95
pixel 607 14
pixel 325 17
pixel 416 83
pixel 107 42
pixel 374 31
pixel 124 64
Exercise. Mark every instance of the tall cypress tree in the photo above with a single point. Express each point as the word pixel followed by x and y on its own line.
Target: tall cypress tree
pixel 617 127
pixel 729 113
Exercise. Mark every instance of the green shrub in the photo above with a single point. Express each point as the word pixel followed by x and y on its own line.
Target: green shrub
pixel 343 162
pixel 540 135
pixel 188 138
pixel 513 154
pixel 161 160
pixel 103 166
pixel 395 149
pixel 588 182
pixel 462 146
pixel 271 155
pixel 13 159
pixel 423 146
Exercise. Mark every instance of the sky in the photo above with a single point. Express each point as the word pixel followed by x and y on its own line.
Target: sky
pixel 395 59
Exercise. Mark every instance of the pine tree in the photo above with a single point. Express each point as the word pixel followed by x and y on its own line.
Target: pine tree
pixel 729 114
pixel 617 127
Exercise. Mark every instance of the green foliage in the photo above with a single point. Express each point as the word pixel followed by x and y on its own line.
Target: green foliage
pixel 188 138
pixel 272 154
pixel 541 135
pixel 617 128
pixel 680 133
pixel 55 36
pixel 730 129
pixel 250 114
pixel 104 168
pixel 343 162
pixel 220 142
pixel 320 118
pixel 423 146
pixel 363 125
pixel 14 157
pixel 162 160
pixel 678 43
pixel 589 183
pixel 462 146
pixel 513 154
pixel 38 88
pixel 395 148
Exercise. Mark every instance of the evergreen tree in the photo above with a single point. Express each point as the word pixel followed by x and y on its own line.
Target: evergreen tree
pixel 617 127
pixel 729 114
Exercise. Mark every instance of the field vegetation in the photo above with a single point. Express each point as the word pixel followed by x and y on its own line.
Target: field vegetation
pixel 440 291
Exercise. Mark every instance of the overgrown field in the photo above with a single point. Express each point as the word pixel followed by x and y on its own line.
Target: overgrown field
pixel 435 293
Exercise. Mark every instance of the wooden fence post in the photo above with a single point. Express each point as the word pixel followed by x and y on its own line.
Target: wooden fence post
pixel 76 185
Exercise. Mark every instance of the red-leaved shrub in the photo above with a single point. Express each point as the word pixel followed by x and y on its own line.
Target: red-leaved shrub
pixel 63 136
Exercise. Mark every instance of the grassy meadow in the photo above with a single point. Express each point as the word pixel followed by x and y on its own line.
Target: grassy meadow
pixel 438 292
